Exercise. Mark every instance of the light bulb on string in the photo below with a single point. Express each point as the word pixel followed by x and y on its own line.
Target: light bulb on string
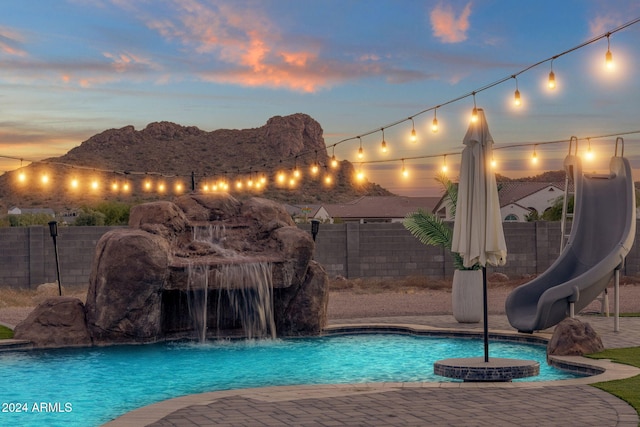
pixel 359 173
pixel 21 176
pixel 334 161
pixel 44 179
pixel 444 164
pixel 474 112
pixel 281 178
pixel 589 155
pixel 179 187
pixel 383 146
pixel 125 187
pixel 493 162
pixel 360 150
pixel 405 172
pixel 314 166
pixel 608 57
pixel 296 171
pixel 534 158
pixel 516 96
pixel 74 183
pixel 552 78
pixel 434 123
pixel 95 184
pixel 413 137
pixel 161 187
pixel 328 179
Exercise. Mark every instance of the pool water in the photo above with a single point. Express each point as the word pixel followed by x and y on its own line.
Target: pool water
pixel 87 387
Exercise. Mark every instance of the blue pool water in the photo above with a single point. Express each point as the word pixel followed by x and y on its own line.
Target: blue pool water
pixel 87 387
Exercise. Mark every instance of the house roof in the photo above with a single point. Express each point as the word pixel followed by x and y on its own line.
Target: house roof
pixel 381 207
pixel 514 191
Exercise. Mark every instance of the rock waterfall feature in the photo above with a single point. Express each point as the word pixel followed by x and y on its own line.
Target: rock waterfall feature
pixel 205 267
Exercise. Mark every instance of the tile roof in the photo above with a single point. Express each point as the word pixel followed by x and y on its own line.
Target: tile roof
pixel 381 207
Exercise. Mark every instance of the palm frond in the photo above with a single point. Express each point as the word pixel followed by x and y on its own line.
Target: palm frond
pixel 428 228
pixel 450 191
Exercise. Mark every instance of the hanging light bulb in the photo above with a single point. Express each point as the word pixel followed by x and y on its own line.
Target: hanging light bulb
pixel 114 185
pixel 552 78
pixel 516 96
pixel 384 143
pixel 161 187
pixel 474 112
pixel 44 178
pixel 608 57
pixel 296 172
pixel 281 177
pixel 589 154
pixel 328 179
pixel 444 164
pixel 434 124
pixel 74 183
pixel 334 161
pixel 360 150
pixel 534 158
pixel 314 166
pixel 94 184
pixel 405 172
pixel 413 136
pixel 493 162
pixel 263 179
pixel 179 187
pixel 125 186
pixel 359 173
pixel 22 177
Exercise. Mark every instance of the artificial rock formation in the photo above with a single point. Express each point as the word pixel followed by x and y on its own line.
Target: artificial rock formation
pixel 56 322
pixel 572 337
pixel 142 288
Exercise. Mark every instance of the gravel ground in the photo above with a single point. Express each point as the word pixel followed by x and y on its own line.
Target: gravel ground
pixel 346 304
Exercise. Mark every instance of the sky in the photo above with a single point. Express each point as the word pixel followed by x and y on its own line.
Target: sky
pixel 70 69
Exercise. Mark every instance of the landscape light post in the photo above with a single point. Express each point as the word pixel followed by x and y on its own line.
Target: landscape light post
pixel 315 227
pixel 53 229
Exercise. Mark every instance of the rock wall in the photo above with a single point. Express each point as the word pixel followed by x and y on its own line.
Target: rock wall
pixel 141 285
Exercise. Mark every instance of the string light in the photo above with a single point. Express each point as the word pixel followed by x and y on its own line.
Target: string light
pixel 45 178
pixel 360 150
pixel 179 187
pixel 474 112
pixel 589 155
pixel 434 124
pixel 359 173
pixel 125 187
pixel 296 172
pixel 383 147
pixel 94 184
pixel 608 57
pixel 405 172
pixel 281 177
pixel 328 179
pixel 334 161
pixel 413 136
pixel 314 166
pixel 552 77
pixel 493 162
pixel 516 96
pixel 444 164
pixel 534 158
pixel 74 183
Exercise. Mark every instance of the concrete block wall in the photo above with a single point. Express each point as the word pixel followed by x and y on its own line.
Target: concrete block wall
pixel 350 250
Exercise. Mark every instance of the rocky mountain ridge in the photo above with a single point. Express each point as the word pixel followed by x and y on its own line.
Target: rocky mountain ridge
pixel 165 153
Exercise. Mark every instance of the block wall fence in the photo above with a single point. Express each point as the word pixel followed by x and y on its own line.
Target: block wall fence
pixel 351 250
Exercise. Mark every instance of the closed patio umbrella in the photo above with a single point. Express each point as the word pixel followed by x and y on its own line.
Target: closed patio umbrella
pixel 477 231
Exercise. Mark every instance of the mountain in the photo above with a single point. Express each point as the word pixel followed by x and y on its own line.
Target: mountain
pixel 166 154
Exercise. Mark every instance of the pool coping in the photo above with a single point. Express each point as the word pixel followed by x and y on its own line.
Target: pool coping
pixel 604 369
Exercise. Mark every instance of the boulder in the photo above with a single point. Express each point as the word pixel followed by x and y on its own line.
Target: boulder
pixel 572 337
pixel 302 310
pixel 56 322
pixel 128 274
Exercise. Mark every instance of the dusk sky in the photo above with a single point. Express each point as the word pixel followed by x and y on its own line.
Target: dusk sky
pixel 72 68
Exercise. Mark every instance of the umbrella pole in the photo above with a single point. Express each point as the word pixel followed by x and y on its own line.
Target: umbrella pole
pixel 486 316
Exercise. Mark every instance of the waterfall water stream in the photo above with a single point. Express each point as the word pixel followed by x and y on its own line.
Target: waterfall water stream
pixel 244 289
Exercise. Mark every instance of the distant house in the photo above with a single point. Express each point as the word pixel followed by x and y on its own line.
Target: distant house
pixel 14 210
pixel 368 209
pixel 517 199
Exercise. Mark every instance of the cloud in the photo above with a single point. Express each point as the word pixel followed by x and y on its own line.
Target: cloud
pixel 446 26
pixel 601 24
pixel 10 42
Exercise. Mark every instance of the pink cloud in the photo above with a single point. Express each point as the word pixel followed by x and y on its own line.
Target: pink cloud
pixel 10 42
pixel 601 24
pixel 446 26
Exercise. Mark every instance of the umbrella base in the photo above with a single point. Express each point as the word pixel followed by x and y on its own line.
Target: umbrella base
pixel 475 369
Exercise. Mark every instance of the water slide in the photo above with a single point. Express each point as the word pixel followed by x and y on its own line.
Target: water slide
pixel 603 230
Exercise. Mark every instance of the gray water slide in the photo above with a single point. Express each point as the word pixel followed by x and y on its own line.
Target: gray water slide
pixel 603 230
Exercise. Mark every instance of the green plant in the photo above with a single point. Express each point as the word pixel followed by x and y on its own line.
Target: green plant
pixel 5 333
pixel 429 229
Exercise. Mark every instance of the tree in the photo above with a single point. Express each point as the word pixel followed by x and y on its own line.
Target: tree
pixel 554 213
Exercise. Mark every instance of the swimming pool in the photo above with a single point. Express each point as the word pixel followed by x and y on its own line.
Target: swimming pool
pixel 84 387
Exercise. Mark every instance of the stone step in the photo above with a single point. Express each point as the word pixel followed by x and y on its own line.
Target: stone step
pixel 11 345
